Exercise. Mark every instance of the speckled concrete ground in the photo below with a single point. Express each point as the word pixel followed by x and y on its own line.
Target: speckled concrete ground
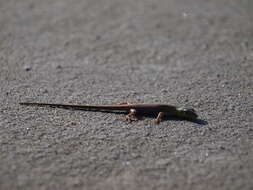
pixel 197 53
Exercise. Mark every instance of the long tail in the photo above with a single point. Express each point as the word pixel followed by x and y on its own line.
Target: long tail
pixel 84 107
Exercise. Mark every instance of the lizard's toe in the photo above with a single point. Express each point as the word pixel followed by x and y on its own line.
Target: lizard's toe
pixel 131 118
pixel 157 121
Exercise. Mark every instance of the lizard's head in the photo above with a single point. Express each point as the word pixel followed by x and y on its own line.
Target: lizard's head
pixel 187 113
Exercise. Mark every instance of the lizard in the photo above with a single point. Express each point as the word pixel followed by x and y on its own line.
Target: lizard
pixel 132 109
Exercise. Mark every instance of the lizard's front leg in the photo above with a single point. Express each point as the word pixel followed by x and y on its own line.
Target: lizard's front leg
pixel 131 116
pixel 159 117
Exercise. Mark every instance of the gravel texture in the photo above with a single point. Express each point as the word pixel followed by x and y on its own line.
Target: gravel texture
pixel 197 53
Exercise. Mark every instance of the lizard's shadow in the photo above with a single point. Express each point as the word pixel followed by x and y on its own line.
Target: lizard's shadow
pixel 171 118
pixel 197 121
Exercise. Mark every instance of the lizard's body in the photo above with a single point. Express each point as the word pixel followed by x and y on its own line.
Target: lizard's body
pixel 132 109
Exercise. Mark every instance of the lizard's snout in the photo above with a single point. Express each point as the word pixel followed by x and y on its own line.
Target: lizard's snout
pixel 188 113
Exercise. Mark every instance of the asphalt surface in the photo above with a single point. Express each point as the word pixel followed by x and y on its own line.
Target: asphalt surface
pixel 197 53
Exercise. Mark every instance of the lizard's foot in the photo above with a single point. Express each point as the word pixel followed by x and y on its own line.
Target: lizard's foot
pixel 131 116
pixel 159 118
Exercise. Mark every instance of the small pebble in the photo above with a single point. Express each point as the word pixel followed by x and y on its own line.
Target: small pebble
pixel 66 43
pixel 162 162
pixel 45 91
pixel 164 91
pixel 58 67
pixel 185 15
pixel 73 123
pixel 27 67
pixel 98 37
pixel 222 147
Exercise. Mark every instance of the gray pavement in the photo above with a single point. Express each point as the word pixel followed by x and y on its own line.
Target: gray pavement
pixel 197 53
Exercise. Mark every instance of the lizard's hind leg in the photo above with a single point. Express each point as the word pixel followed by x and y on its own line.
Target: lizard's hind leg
pixel 131 116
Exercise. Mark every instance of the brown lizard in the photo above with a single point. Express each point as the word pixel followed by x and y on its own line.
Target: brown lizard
pixel 160 110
